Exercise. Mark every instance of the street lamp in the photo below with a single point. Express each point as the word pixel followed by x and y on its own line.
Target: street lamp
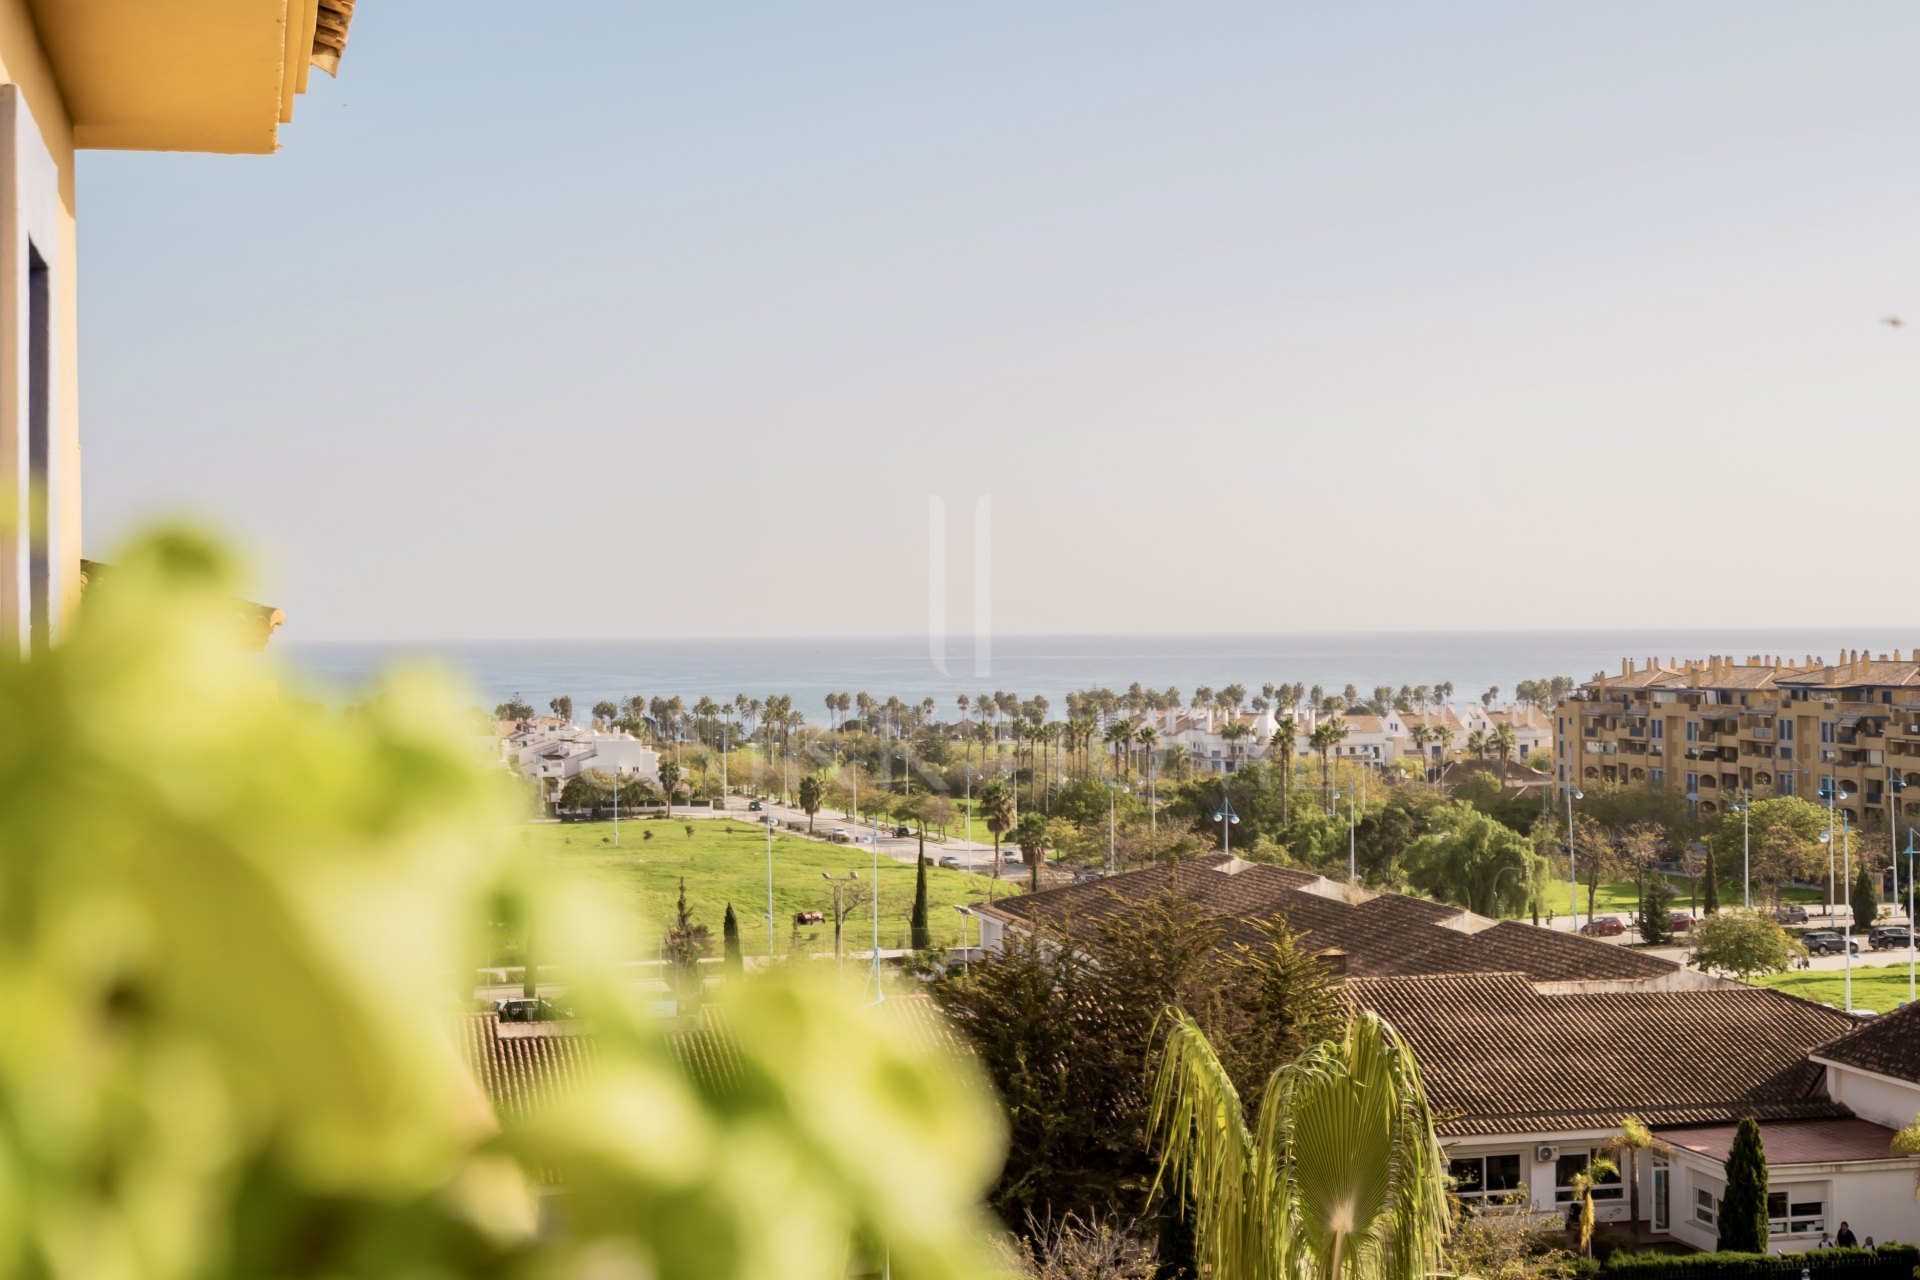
pixel 1744 806
pixel 1910 921
pixel 1833 794
pixel 1353 876
pixel 1227 819
pixel 1113 793
pixel 1846 938
pixel 767 818
pixel 1573 880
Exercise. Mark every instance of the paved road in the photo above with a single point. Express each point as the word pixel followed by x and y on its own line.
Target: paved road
pixel 972 856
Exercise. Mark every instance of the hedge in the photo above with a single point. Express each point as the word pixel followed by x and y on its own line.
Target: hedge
pixel 1708 1264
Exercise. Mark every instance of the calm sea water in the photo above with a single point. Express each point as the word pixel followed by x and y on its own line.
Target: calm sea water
pixel 810 668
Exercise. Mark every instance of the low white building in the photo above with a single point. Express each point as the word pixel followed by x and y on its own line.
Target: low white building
pixel 550 751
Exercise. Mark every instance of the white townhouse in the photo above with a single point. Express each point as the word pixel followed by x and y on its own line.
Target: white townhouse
pixel 550 751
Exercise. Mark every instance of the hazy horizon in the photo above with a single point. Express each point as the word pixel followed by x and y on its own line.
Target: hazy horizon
pixel 655 321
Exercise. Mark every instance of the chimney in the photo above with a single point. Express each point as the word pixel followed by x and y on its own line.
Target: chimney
pixel 1335 959
pixel 1626 668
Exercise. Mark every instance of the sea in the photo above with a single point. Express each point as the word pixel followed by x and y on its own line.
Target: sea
pixel 809 668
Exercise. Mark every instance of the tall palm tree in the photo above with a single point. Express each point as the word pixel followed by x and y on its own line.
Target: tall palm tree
pixel 1149 739
pixel 1340 1177
pixel 1443 738
pixel 1280 750
pixel 1001 812
pixel 1422 734
pixel 1119 738
pixel 1477 743
pixel 1325 737
pixel 1503 741
pixel 1235 735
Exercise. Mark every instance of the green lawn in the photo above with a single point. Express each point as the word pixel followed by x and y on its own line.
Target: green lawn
pixel 725 861
pixel 1880 988
pixel 1620 898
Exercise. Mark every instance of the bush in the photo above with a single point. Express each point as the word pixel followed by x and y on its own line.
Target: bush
pixel 1734 1263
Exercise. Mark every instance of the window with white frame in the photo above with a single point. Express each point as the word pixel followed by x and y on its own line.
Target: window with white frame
pixel 1573 1163
pixel 1706 1207
pixel 1797 1211
pixel 1479 1177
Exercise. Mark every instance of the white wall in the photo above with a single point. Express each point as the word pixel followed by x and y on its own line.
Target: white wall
pixel 1893 1103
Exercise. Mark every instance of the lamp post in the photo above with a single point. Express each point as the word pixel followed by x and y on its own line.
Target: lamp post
pixel 1831 792
pixel 1745 807
pixel 969 815
pixel 1352 823
pixel 1573 880
pixel 616 804
pixel 1227 819
pixel 1910 921
pixel 1846 937
pixel 767 819
pixel 1113 794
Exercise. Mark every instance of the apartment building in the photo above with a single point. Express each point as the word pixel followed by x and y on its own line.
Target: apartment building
pixel 1720 729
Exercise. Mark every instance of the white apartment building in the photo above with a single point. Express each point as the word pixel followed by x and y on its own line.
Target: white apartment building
pixel 550 751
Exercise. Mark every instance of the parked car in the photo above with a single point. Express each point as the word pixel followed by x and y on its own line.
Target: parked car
pixel 1603 927
pixel 901 833
pixel 1082 875
pixel 1896 938
pixel 1791 913
pixel 753 806
pixel 1679 922
pixel 769 819
pixel 1825 942
pixel 949 861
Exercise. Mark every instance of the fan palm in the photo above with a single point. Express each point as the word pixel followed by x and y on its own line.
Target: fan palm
pixel 1325 737
pixel 1598 1170
pixel 1502 741
pixel 1280 751
pixel 1477 743
pixel 1340 1178
pixel 1907 1143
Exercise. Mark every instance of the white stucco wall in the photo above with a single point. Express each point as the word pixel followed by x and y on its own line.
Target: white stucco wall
pixel 1880 1099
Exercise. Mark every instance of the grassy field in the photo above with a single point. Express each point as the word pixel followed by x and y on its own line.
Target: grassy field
pixel 1880 988
pixel 1619 898
pixel 725 861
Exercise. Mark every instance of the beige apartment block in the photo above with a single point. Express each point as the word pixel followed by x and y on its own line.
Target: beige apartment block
pixel 1718 729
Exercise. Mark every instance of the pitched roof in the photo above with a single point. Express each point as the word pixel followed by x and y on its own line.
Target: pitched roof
pixel 1380 934
pixel 1889 1045
pixel 1863 672
pixel 1804 1142
pixel 1500 1056
pixel 1511 773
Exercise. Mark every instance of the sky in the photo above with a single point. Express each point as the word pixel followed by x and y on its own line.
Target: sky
pixel 610 320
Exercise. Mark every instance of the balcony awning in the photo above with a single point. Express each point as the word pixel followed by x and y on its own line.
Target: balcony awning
pixel 262 620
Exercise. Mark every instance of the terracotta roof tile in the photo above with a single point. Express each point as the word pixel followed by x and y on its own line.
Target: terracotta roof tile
pixel 1889 1045
pixel 1499 1056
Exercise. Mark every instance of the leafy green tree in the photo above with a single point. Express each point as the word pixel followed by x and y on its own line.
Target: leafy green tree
pixel 1741 944
pixel 1710 882
pixel 562 706
pixel 669 781
pixel 1469 859
pixel 1340 1176
pixel 1065 1027
pixel 921 935
pixel 1864 898
pixel 514 708
pixel 605 710
pixel 587 789
pixel 730 942
pixel 813 794
pixel 1743 1209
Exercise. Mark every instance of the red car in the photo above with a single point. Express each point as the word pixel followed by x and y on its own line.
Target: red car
pixel 1603 927
pixel 1679 922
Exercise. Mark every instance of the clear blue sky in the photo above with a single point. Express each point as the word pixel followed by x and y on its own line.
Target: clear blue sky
pixel 630 319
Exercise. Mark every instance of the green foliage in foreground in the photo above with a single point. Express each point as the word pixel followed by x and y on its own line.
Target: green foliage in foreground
pixel 231 921
pixel 726 861
pixel 1735 1263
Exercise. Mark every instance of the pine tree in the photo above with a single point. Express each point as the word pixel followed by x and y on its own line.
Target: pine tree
pixel 917 922
pixel 1743 1209
pixel 730 940
pixel 1863 898
pixel 1656 905
pixel 1711 899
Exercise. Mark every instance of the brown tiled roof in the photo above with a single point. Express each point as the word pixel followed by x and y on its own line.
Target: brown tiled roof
pixel 1498 1056
pixel 1511 773
pixel 1848 675
pixel 1803 1142
pixel 1889 1045
pixel 1646 677
pixel 1382 934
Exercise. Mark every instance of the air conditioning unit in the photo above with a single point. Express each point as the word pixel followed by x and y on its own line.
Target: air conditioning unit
pixel 1546 1155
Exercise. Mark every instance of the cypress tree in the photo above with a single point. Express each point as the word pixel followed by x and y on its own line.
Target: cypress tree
pixel 730 938
pixel 1743 1210
pixel 917 922
pixel 1711 899
pixel 1864 898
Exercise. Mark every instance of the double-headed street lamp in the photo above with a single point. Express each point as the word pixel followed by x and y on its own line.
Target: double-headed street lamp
pixel 1846 938
pixel 1744 806
pixel 1227 819
pixel 1831 792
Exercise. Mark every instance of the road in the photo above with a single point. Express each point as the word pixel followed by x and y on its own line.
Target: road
pixel 972 856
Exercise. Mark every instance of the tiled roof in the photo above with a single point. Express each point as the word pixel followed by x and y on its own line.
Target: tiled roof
pixel 1381 934
pixel 1889 1045
pixel 1804 1142
pixel 1499 1056
pixel 1865 672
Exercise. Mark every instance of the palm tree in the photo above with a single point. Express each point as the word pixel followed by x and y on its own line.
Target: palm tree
pixel 1280 750
pixel 1503 741
pixel 1477 743
pixel 813 792
pixel 1598 1169
pixel 1340 1177
pixel 1443 738
pixel 1633 1138
pixel 1325 737
pixel 1907 1143
pixel 1422 735
pixel 997 803
pixel 1235 734
pixel 1119 737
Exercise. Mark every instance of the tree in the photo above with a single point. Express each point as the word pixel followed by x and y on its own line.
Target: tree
pixel 1907 1143
pixel 562 706
pixel 1339 1176
pixel 1327 735
pixel 1598 1170
pixel 669 781
pixel 587 789
pixel 1469 859
pixel 1864 897
pixel 1656 911
pixel 997 805
pixel 605 711
pixel 1032 835
pixel 730 943
pixel 1280 749
pixel 1741 944
pixel 1743 1208
pixel 920 934
pixel 1710 884
pixel 813 793
pixel 1503 741
pixel 687 941
pixel 514 708
pixel 1633 1138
